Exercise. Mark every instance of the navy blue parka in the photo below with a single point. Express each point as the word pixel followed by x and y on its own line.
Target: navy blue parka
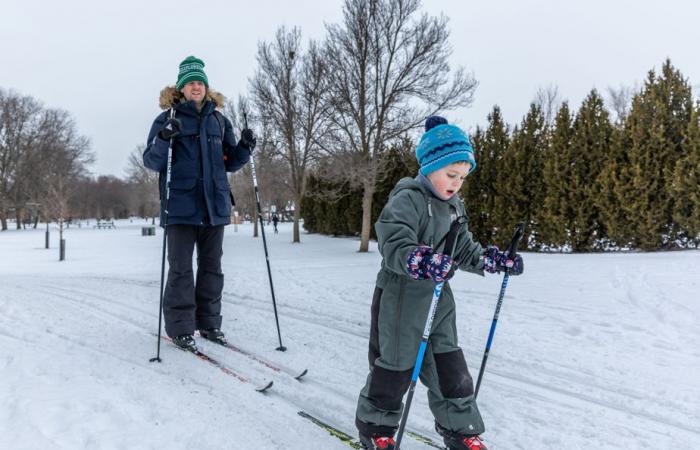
pixel 202 154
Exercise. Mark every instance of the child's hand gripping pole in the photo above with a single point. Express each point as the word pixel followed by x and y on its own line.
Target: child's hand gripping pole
pixel 511 252
pixel 450 242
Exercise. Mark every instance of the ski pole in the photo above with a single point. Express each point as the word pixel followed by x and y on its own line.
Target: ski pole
pixel 450 241
pixel 512 250
pixel 262 229
pixel 165 238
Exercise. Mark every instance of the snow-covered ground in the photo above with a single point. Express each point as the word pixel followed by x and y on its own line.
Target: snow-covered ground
pixel 591 351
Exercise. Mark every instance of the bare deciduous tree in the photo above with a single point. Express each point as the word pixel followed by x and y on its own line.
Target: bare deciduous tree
pixel 41 158
pixel 288 93
pixel 145 192
pixel 621 101
pixel 66 156
pixel 18 124
pixel 549 101
pixel 387 70
pixel 270 172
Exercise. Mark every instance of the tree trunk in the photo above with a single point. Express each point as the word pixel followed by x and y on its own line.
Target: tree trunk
pixel 297 216
pixel 367 194
pixel 255 221
pixel 18 217
pixel 61 242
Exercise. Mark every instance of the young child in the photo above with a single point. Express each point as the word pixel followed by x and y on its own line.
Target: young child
pixel 417 216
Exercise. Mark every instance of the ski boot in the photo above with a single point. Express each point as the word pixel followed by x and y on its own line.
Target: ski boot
pixel 214 335
pixel 457 441
pixel 377 442
pixel 185 342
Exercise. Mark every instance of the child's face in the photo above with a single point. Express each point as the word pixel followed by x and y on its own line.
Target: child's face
pixel 449 179
pixel 194 90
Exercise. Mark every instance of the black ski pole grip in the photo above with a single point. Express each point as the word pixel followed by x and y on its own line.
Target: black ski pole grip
pixel 513 247
pixel 451 238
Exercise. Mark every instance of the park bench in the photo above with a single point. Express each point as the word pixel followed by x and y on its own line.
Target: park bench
pixel 105 224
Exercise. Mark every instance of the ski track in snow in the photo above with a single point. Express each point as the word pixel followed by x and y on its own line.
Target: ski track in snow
pixel 589 348
pixel 514 380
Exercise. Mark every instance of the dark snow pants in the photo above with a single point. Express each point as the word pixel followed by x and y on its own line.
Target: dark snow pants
pixel 395 335
pixel 190 305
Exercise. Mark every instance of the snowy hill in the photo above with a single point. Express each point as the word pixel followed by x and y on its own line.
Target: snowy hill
pixel 591 351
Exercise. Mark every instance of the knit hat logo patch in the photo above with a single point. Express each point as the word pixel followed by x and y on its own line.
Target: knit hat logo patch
pixel 191 69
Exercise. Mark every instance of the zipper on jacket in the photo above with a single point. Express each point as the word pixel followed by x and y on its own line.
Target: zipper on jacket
pixel 402 284
pixel 430 215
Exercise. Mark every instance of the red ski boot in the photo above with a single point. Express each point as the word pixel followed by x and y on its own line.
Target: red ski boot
pixel 457 441
pixel 377 442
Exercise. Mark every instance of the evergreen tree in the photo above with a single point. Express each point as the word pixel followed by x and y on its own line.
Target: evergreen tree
pixel 592 132
pixel 686 183
pixel 557 211
pixel 654 133
pixel 398 161
pixel 331 207
pixel 473 191
pixel 613 187
pixel 519 180
pixel 481 188
pixel 582 182
pixel 309 204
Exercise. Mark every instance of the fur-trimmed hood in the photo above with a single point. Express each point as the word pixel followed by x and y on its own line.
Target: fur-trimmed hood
pixel 170 96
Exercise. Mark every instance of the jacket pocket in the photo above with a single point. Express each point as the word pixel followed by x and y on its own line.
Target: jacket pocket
pixel 183 197
pixel 222 198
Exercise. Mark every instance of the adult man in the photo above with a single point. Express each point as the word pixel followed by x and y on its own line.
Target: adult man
pixel 204 149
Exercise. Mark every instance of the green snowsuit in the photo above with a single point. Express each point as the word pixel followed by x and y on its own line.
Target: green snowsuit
pixel 413 216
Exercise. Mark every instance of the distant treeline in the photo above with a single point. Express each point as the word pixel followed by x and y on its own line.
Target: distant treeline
pixel 582 180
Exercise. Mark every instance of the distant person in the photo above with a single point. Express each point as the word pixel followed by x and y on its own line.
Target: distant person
pixel 410 228
pixel 204 149
pixel 275 220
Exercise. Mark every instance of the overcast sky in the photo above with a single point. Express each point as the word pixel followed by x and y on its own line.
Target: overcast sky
pixel 105 62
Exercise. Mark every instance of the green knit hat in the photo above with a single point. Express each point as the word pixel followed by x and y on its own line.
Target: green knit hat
pixel 191 69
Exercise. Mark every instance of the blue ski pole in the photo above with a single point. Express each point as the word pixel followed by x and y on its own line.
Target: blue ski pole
pixel 450 242
pixel 512 250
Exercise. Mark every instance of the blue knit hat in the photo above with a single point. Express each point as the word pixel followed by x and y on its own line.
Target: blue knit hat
pixel 443 144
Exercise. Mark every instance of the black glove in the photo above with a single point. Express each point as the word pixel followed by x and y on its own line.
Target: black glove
pixel 170 129
pixel 248 140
